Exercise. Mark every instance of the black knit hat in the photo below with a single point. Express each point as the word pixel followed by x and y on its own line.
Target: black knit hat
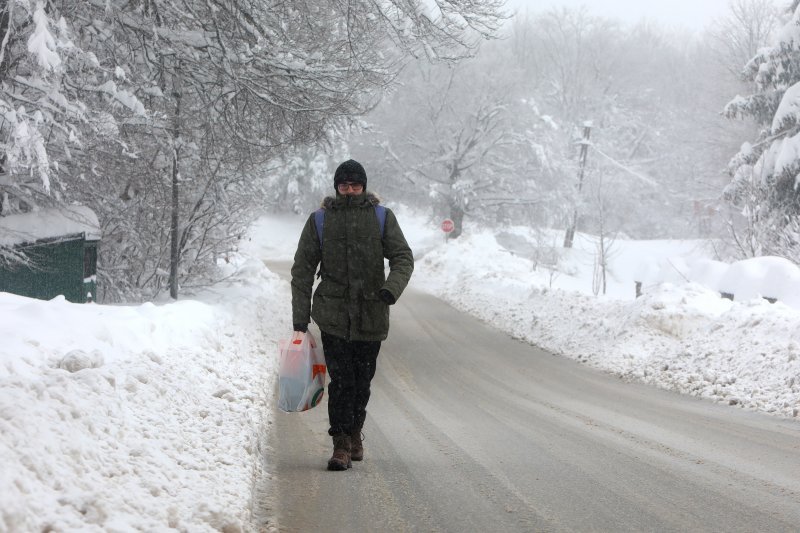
pixel 350 171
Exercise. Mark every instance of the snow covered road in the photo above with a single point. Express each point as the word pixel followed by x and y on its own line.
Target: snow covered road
pixel 469 430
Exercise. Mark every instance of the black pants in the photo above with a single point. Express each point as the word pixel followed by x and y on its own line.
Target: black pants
pixel 351 366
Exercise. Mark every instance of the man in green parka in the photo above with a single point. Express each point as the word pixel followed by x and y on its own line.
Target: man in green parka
pixel 349 239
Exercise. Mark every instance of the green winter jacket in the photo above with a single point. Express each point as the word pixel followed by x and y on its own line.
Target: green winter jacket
pixel 346 302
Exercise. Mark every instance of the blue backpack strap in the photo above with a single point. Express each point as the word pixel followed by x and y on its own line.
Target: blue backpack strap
pixel 319 219
pixel 380 211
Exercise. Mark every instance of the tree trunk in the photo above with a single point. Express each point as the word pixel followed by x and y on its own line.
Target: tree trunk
pixel 457 216
pixel 5 58
pixel 174 255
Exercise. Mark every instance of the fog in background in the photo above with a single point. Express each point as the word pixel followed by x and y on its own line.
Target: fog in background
pixel 618 119
pixel 498 137
pixel 689 14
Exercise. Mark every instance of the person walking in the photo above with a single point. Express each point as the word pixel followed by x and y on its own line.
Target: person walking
pixel 348 238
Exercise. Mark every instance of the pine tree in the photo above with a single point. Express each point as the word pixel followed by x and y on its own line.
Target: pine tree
pixel 765 174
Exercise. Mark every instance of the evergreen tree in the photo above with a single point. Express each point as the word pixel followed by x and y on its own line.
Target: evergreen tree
pixel 764 184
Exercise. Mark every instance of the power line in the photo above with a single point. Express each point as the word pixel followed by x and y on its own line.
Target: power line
pixel 646 179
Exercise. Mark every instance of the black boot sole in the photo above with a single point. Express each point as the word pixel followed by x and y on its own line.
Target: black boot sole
pixel 338 466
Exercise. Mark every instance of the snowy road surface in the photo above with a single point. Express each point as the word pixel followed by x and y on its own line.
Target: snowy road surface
pixel 469 430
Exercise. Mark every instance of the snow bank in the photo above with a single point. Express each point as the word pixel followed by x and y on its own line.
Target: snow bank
pixel 138 418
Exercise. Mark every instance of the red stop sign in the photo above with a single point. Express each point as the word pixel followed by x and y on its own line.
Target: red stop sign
pixel 448 225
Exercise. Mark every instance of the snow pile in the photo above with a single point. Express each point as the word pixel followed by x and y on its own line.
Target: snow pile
pixel 138 418
pixel 681 336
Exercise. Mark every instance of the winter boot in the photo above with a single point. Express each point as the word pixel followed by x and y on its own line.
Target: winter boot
pixel 341 453
pixel 356 445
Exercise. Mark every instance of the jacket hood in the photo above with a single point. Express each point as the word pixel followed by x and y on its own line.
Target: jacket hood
pixel 368 198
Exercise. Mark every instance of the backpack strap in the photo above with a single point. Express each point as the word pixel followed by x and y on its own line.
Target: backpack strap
pixel 380 211
pixel 319 220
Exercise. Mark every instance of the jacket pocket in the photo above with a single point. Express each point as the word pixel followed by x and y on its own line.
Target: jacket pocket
pixel 329 306
pixel 374 314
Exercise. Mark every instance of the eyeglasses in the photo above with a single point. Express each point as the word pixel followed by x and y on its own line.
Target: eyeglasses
pixel 345 186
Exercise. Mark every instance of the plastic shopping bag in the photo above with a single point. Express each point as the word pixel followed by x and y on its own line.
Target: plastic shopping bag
pixel 301 373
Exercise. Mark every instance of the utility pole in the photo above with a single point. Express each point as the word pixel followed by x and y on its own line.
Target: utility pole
pixel 570 235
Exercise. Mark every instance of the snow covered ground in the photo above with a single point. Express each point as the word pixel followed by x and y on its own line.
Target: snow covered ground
pixel 139 418
pixel 151 417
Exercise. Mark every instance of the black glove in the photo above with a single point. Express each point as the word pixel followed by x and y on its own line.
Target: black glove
pixel 386 296
pixel 301 327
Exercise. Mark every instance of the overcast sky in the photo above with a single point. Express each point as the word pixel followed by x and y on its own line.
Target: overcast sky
pixel 690 14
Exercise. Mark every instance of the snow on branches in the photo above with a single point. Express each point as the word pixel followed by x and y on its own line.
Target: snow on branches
pixel 765 174
pixel 32 102
pixel 41 43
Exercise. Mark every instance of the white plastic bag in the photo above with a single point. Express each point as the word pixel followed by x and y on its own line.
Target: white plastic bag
pixel 301 373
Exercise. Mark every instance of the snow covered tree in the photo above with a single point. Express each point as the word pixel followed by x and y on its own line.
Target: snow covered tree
pixel 56 100
pixel 654 107
pixel 300 178
pixel 455 144
pixel 31 101
pixel 41 111
pixel 230 86
pixel 579 69
pixel 736 37
pixel 764 174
